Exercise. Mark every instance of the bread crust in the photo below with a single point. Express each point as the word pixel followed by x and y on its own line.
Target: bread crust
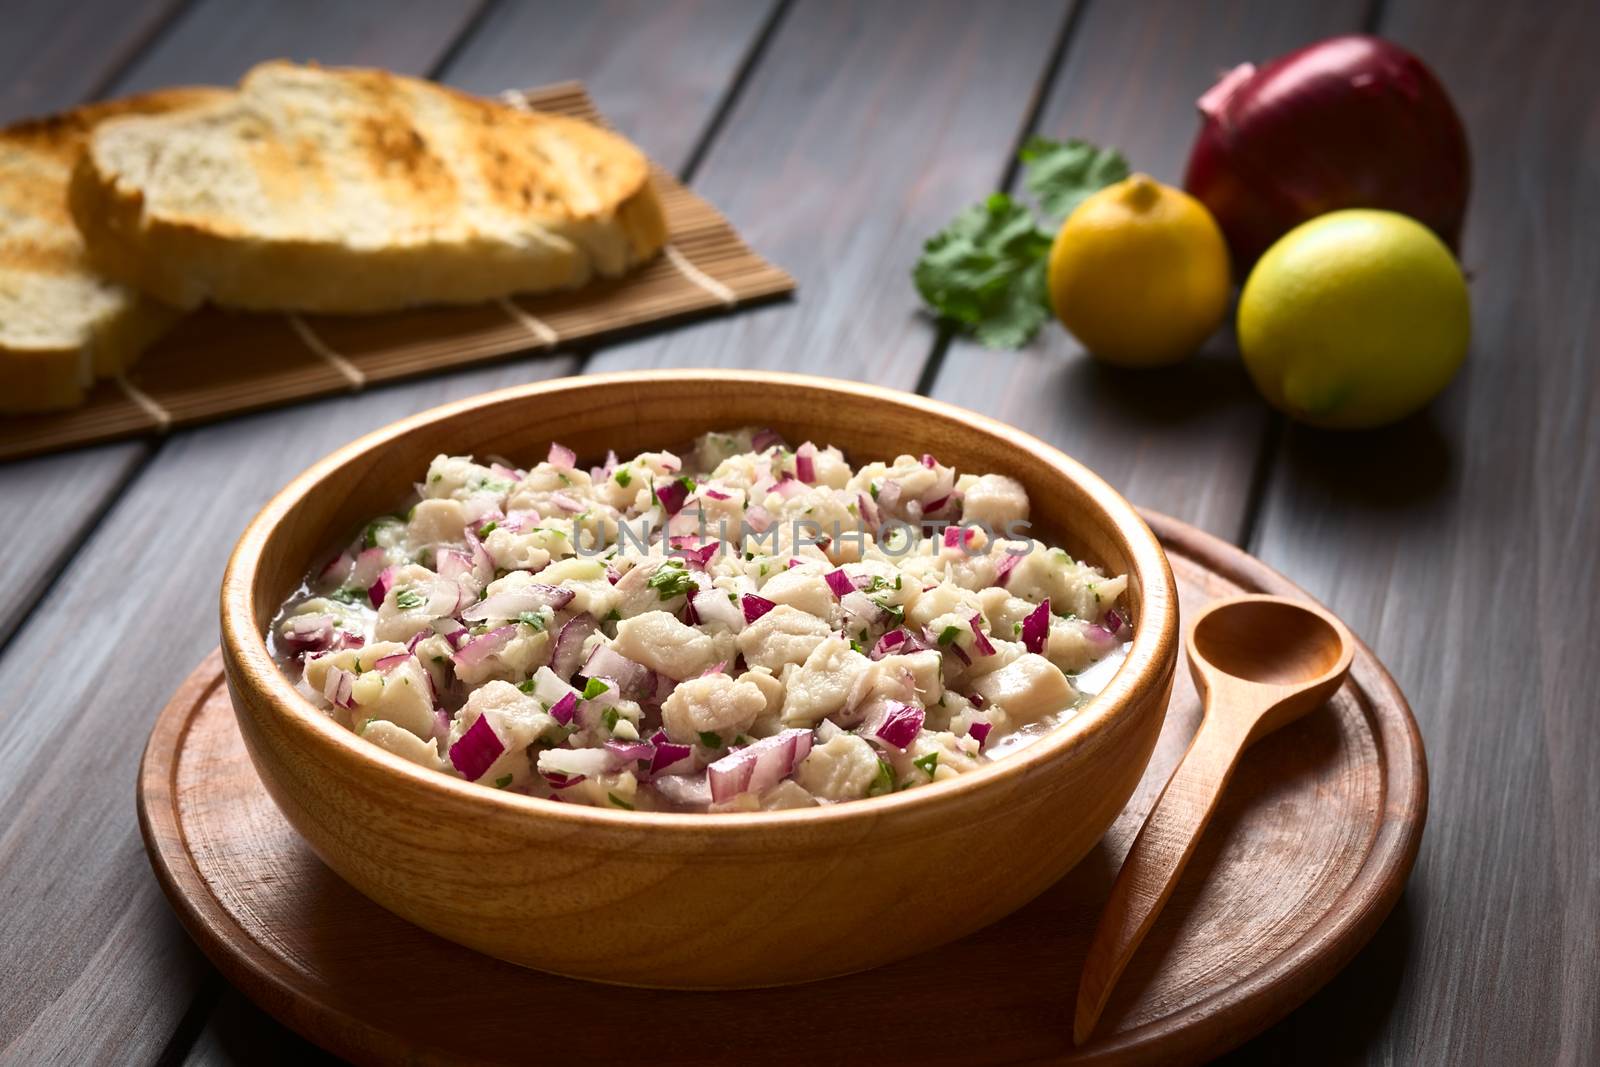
pixel 557 232
pixel 94 329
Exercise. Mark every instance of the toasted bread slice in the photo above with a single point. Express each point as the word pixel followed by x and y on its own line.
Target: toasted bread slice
pixel 61 324
pixel 354 190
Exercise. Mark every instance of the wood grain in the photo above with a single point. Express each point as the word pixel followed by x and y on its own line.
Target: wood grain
pixel 623 896
pixel 1184 439
pixel 1308 852
pixel 57 55
pixel 1462 545
pixel 847 147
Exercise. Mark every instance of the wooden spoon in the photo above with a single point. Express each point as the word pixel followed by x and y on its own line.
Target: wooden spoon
pixel 1259 662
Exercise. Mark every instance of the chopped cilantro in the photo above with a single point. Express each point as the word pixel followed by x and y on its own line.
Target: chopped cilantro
pixel 364 724
pixel 710 740
pixel 406 599
pixel 349 596
pixel 531 618
pixel 896 613
pixel 502 781
pixel 855 646
pixel 623 478
pixel 527 686
pixel 928 763
pixel 873 489
pixel 488 528
pixel 613 615
pixel 671 579
pixel 883 781
pixel 609 717
pixel 593 688
pixel 619 802
pixel 949 634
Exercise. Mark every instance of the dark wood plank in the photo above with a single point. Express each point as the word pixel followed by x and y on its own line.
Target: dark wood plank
pixel 850 142
pixel 161 549
pixel 1185 440
pixel 57 55
pixel 1461 545
pixel 657 71
pixel 101 942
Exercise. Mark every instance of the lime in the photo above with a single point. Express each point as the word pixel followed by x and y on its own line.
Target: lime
pixel 1354 319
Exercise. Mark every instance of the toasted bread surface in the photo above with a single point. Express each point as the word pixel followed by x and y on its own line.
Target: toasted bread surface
pixel 355 190
pixel 61 323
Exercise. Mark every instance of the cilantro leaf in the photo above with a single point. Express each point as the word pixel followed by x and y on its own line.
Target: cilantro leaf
pixel 1061 175
pixel 986 272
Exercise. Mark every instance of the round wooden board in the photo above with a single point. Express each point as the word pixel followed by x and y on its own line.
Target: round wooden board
pixel 1309 852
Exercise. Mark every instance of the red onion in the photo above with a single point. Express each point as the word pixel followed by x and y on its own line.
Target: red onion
pixel 451 564
pixel 897 724
pixel 928 461
pixel 513 602
pixel 482 562
pixel 338 685
pixel 563 710
pixel 309 633
pixel 755 606
pixel 338 567
pixel 805 463
pixel 483 646
pixel 888 643
pixel 634 680
pixel 558 780
pixel 713 605
pixel 672 496
pixel 561 457
pixel 1003 569
pixel 1036 628
pixel 979 731
pixel 717 494
pixel 789 488
pixel 367 567
pixel 758 519
pixel 625 752
pixel 380 588
pixel 668 754
pixel 840 583
pixel 390 662
pixel 1351 121
pixel 765 439
pixel 570 504
pixel 759 766
pixel 869 511
pixel 1112 621
pixel 980 643
pixel 568 649
pixel 477 750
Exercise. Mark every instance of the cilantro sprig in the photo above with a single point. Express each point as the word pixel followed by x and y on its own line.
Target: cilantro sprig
pixel 985 273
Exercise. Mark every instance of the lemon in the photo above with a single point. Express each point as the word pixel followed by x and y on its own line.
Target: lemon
pixel 1354 319
pixel 1139 273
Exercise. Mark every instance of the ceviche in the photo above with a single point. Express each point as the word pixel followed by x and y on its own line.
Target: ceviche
pixel 749 626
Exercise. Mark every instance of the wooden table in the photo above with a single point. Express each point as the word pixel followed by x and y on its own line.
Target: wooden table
pixel 1461 545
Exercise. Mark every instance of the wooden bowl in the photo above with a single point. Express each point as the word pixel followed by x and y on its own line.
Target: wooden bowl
pixel 695 901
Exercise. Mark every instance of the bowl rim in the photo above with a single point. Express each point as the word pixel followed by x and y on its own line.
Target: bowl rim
pixel 1152 654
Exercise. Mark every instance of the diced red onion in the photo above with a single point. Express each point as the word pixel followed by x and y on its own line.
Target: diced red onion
pixel 667 754
pixel 634 680
pixel 717 494
pixel 309 632
pixel 698 557
pixel 477 750
pixel 869 510
pixel 567 652
pixel 346 639
pixel 758 518
pixel 558 780
pixel 755 606
pixel 789 488
pixel 979 731
pixel 506 472
pixel 805 463
pixel 952 536
pixel 513 602
pixel 980 640
pixel 898 724
pixel 391 661
pixel 380 588
pixel 1036 628
pixel 563 710
pixel 338 685
pixel 570 504
pixel 713 605
pixel 561 457
pixel 483 646
pixel 672 496
pixel 1003 569
pixel 765 439
pixel 1100 638
pixel 928 461
pixel 338 567
pixel 452 631
pixel 452 564
pixel 1112 621
pixel 889 494
pixel 482 562
pixel 369 564
pixel 977 700
pixel 759 766
pixel 959 653
pixel 888 643
pixel 840 583
pixel 625 752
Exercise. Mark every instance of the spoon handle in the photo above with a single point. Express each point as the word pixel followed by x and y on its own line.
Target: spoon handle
pixel 1157 858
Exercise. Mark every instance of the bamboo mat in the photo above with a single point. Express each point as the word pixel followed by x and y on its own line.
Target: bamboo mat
pixel 216 363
